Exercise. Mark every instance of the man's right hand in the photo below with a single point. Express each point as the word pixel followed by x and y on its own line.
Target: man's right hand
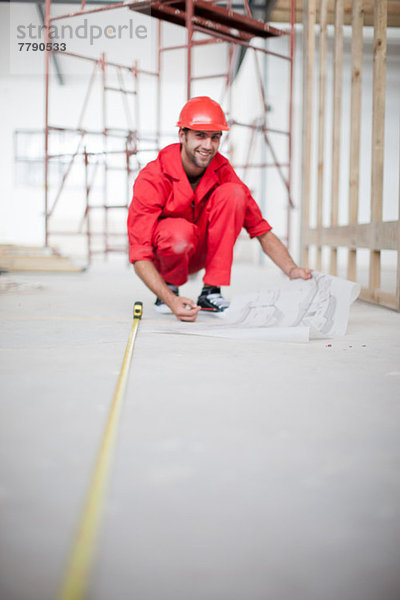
pixel 184 308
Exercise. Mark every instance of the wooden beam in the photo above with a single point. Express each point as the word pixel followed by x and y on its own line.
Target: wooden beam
pixel 383 235
pixel 281 12
pixel 336 125
pixel 308 77
pixel 378 131
pixel 34 258
pixel 355 124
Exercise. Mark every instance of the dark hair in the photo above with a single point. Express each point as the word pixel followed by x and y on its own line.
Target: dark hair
pixel 186 129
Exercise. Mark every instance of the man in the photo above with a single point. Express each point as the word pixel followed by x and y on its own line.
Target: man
pixel 188 209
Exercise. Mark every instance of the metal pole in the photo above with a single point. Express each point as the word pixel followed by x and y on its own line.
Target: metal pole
pixel 229 86
pixel 46 125
pixel 189 26
pixel 264 152
pixel 158 98
pixel 128 173
pixel 290 137
pixel 88 91
pixel 88 230
pixel 105 182
pixel 136 100
pixel 250 151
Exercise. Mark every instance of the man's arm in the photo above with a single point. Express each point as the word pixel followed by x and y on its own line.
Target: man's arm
pixel 273 247
pixel 183 308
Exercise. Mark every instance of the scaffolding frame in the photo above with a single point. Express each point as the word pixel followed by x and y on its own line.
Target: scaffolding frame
pixel 129 138
pixel 221 25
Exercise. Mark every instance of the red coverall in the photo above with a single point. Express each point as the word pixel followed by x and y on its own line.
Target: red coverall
pixel 183 231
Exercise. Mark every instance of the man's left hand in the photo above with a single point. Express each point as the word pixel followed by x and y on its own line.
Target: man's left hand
pixel 300 273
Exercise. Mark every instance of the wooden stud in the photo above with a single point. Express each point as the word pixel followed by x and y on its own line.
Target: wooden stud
pixel 378 130
pixel 355 124
pixel 398 254
pixel 309 12
pixel 321 118
pixel 377 235
pixel 337 104
pixel 281 12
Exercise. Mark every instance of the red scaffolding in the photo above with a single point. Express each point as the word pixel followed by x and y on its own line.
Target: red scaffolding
pixel 98 159
pixel 217 24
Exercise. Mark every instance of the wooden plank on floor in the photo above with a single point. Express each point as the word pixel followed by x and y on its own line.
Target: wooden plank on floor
pixel 34 258
pixel 13 249
pixel 33 263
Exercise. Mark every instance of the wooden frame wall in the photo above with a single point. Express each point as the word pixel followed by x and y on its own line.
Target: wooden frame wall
pixel 377 235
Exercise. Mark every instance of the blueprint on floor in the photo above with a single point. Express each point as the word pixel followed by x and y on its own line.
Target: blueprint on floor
pixel 294 311
pixel 321 303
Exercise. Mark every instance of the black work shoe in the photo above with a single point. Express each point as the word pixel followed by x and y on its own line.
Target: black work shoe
pixel 160 306
pixel 211 300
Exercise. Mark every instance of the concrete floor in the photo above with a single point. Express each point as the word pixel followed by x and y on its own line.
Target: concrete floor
pixel 245 470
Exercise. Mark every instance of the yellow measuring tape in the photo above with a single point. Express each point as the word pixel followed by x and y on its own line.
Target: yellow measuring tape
pixel 74 584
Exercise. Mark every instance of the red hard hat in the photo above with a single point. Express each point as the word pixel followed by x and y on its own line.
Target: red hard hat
pixel 203 114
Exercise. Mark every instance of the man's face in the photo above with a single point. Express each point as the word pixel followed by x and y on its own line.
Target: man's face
pixel 199 147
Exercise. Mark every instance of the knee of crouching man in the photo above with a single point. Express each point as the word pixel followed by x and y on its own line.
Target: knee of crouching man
pixel 234 193
pixel 181 245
